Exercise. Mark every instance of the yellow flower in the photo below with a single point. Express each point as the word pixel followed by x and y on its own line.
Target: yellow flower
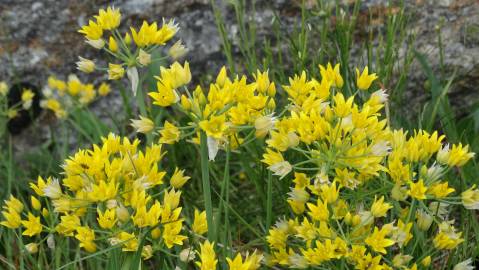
pixel 379 207
pixel 330 192
pixel 68 224
pixel 319 211
pixel 470 198
pixel 146 35
pixel 107 219
pixel 170 134
pixel 143 125
pixel 178 179
pixel 166 95
pixel 13 204
pixel 238 264
pixel 402 233
pixel 276 163
pixel 177 75
pixel 13 207
pixel 109 19
pixel 417 190
pixel 12 219
pixel 171 234
pixel 378 241
pixel 115 72
pixel 86 236
pixel 32 225
pixel 27 98
pixel 207 256
pixel 440 190
pixel 55 106
pixel 364 80
pixel 166 32
pixel 200 226
pixel 104 89
pixel 92 31
pixel 445 240
pixel 103 191
pixel 214 127
pixel 128 240
pixel 85 65
pixel 332 75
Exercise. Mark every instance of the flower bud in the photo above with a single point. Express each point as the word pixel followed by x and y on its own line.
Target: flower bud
pixel 156 233
pixel 31 248
pixel 35 203
pixel 222 76
pixel 122 213
pixel 97 43
pixel 263 125
pixel 426 261
pixel 112 45
pixel 187 255
pixel 143 58
pixel 115 72
pixel 85 65
pixel 399 193
pixel 51 241
pixel 177 51
pixel 127 39
pixel 424 220
pixel 143 125
pixel 147 252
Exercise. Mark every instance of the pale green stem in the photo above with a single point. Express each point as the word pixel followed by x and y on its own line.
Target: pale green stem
pixel 205 178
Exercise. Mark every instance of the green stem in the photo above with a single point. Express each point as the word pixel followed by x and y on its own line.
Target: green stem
pixel 224 194
pixel 269 201
pixel 205 178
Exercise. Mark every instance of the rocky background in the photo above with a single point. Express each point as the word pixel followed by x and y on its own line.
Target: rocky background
pixel 39 38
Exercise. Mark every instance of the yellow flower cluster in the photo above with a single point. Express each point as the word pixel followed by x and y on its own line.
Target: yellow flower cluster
pixel 342 153
pixel 330 130
pixel 119 185
pixel 230 106
pixel 132 50
pixel 61 96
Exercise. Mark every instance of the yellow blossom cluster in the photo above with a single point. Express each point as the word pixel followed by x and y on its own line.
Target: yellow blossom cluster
pixel 330 130
pixel 112 194
pixel 62 96
pixel 229 107
pixel 363 194
pixel 133 49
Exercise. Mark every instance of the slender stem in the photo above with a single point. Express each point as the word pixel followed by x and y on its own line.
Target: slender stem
pixel 205 178
pixel 269 201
